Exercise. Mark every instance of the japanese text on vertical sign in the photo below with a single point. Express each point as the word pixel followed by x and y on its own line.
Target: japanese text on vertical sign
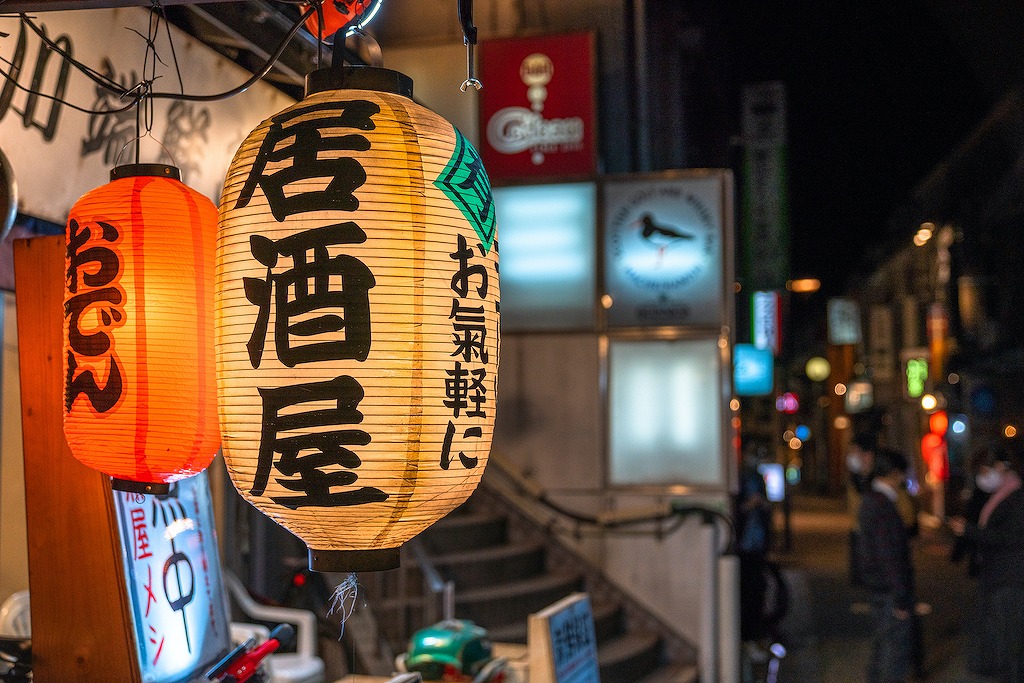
pixel 94 309
pixel 320 303
pixel 465 390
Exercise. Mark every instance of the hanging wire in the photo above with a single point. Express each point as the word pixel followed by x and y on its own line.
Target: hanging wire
pixel 135 98
pixel 170 40
pixel 94 75
pixel 319 5
pixel 147 92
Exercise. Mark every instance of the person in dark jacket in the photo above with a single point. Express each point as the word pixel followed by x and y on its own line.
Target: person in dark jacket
pixel 886 569
pixel 753 540
pixel 974 499
pixel 994 645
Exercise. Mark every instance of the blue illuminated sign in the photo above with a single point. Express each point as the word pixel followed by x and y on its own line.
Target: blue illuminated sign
pixel 574 643
pixel 753 370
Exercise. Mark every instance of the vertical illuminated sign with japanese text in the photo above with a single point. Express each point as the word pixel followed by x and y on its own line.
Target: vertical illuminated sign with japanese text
pixel 174 581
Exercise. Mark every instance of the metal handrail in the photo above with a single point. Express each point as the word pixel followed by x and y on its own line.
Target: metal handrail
pixel 434 584
pixel 612 520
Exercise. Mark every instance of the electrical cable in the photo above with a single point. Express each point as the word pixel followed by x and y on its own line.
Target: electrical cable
pixel 170 40
pixel 255 78
pixel 99 112
pixel 121 91
pixel 94 75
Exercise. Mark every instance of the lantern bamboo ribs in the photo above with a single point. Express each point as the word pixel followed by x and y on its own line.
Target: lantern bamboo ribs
pixel 356 318
pixel 140 392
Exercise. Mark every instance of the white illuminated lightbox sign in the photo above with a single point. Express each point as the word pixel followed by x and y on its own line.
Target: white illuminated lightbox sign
pixel 664 250
pixel 665 413
pixel 548 259
pixel 843 322
pixel 172 568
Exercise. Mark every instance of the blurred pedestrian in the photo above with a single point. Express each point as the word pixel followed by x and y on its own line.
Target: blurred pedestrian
pixel 886 569
pixel 859 461
pixel 753 533
pixel 995 646
pixel 974 499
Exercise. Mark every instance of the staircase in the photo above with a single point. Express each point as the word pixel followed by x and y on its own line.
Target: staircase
pixel 504 568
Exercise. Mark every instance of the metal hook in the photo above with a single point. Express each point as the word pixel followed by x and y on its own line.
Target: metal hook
pixel 469 37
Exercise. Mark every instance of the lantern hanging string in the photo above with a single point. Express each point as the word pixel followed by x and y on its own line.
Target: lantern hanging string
pixel 141 89
pixel 144 110
pixel 343 600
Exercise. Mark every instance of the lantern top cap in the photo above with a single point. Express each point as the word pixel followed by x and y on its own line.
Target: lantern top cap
pixel 156 170
pixel 358 78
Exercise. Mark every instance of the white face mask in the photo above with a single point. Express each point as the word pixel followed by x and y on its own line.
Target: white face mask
pixel 989 480
pixel 854 463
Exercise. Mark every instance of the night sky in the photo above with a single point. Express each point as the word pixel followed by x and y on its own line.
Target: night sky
pixel 877 96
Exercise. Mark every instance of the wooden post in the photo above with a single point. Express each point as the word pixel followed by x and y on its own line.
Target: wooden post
pixel 81 613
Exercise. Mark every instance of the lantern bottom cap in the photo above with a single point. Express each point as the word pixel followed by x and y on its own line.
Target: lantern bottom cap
pixel 353 560
pixel 130 486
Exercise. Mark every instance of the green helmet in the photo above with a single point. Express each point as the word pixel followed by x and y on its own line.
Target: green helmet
pixel 455 645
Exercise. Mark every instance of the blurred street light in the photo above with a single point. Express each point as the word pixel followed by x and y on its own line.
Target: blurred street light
pixel 924 234
pixel 807 285
pixel 817 369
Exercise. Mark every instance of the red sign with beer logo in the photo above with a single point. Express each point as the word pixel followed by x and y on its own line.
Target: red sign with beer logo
pixel 537 106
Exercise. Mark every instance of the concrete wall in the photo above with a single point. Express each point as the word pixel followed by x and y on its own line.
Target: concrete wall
pixel 550 425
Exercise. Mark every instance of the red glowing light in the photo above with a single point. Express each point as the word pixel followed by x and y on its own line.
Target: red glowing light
pixel 787 403
pixel 938 422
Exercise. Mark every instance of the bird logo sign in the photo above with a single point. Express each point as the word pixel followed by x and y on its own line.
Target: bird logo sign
pixel 662 238
pixel 664 261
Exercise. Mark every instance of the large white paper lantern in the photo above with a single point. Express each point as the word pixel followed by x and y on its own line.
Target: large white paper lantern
pixel 356 318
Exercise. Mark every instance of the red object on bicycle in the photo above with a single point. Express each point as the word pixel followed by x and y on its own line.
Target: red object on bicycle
pixel 247 665
pixel 242 664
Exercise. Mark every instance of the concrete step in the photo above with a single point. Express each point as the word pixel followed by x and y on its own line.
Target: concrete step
pixel 607 624
pixel 673 673
pixel 629 657
pixel 607 621
pixel 512 602
pixel 463 532
pixel 491 565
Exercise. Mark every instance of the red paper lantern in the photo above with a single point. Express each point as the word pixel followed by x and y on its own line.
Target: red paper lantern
pixel 140 385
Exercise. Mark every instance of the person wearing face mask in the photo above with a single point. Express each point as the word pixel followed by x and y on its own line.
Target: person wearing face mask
pixel 859 461
pixel 973 499
pixel 994 646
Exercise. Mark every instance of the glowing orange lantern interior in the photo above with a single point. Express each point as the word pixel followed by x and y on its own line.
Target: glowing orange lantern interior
pixel 140 386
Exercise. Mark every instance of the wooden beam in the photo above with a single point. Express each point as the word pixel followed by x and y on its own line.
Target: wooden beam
pixel 81 614
pixel 32 6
